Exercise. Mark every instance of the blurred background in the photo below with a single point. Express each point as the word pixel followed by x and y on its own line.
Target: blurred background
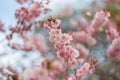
pixel 73 14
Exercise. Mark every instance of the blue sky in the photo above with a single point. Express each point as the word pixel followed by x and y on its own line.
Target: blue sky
pixel 7 9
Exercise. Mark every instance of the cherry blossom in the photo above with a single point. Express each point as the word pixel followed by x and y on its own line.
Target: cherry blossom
pixel 99 21
pixel 65 51
pixel 113 52
pixel 2 27
pixel 84 38
pixel 68 54
pixel 84 71
pixel 22 1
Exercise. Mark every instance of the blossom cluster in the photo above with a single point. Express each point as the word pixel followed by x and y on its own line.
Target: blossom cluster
pixel 84 37
pixel 111 31
pixel 33 43
pixel 113 51
pixel 65 51
pixel 99 21
pixel 47 71
pixel 22 1
pixel 27 15
pixel 2 27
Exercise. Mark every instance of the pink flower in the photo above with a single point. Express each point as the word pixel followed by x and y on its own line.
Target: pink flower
pixel 71 77
pixel 24 14
pixel 51 24
pixel 59 45
pixel 58 65
pixel 99 21
pixel 84 38
pixel 113 52
pixel 84 71
pixel 15 46
pixel 73 22
pixel 2 27
pixel 54 33
pixel 39 44
pixel 15 29
pixel 38 24
pixel 117 74
pixel 113 70
pixel 68 11
pixel 112 33
pixel 26 75
pixel 40 74
pixel 73 62
pixel 65 38
pixel 84 52
pixel 84 22
pixel 88 13
pixel 37 73
pixel 31 44
pixel 35 10
pixel 22 1
pixel 28 46
pixel 21 14
pixel 67 53
pixel 9 37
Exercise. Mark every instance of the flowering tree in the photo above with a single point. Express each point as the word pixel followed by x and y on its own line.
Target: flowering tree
pixel 68 53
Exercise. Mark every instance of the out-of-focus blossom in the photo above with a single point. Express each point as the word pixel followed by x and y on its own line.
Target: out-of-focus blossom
pixel 38 24
pixel 113 52
pixel 58 65
pixel 69 12
pixel 71 77
pixel 35 43
pixel 84 52
pixel 94 77
pixel 21 14
pixel 22 1
pixel 88 13
pixel 1 27
pixel 37 73
pixel 26 75
pixel 14 46
pixel 9 37
pixel 84 22
pixel 84 71
pixel 117 74
pixel 84 38
pixel 31 44
pixel 99 21
pixel 47 71
pixel 35 10
pixel 24 14
pixel 111 31
pixel 113 71
pixel 15 29
pixel 73 22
